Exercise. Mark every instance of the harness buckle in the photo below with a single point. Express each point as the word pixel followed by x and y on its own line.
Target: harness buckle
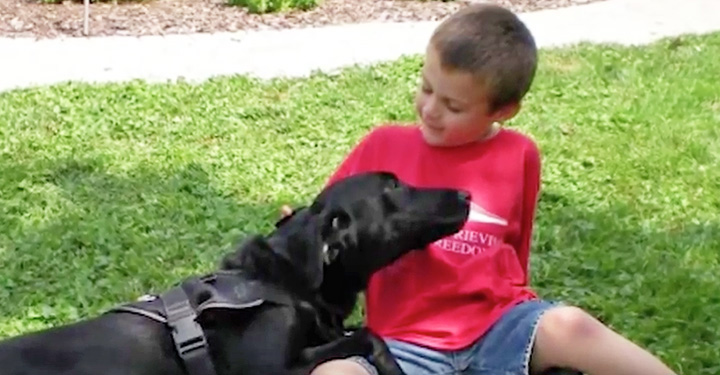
pixel 187 334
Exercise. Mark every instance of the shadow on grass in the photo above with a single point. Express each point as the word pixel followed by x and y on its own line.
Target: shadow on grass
pixel 653 282
pixel 78 238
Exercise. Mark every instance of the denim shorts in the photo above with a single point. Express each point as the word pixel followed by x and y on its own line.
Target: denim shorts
pixel 504 349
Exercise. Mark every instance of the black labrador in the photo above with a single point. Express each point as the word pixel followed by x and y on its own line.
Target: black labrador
pixel 266 310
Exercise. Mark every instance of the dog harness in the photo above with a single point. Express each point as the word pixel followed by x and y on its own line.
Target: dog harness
pixel 220 290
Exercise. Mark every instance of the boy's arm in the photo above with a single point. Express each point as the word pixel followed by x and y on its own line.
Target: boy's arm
pixel 531 188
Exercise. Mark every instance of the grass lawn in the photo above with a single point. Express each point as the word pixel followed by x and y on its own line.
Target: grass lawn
pixel 111 191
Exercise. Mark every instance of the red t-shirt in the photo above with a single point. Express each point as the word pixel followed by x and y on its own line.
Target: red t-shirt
pixel 448 295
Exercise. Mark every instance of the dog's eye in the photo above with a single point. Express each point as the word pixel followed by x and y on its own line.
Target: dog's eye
pixel 392 185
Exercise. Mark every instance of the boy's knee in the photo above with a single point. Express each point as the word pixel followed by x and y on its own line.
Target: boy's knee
pixel 568 323
pixel 340 367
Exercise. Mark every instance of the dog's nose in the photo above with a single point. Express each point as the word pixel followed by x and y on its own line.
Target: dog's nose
pixel 464 196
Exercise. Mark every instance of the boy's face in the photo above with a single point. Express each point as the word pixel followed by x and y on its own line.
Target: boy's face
pixel 453 106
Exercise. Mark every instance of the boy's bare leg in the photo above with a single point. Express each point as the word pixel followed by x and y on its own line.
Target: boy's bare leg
pixel 340 367
pixel 568 337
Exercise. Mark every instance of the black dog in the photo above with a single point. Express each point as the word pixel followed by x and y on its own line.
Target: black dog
pixel 262 313
pixel 370 220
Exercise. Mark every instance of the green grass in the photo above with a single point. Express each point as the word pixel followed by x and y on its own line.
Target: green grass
pixel 111 191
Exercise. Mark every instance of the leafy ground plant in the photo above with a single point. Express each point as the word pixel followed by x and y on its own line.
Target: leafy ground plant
pixel 111 191
pixel 268 6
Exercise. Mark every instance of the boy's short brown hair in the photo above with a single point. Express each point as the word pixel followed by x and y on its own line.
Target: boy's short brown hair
pixel 494 45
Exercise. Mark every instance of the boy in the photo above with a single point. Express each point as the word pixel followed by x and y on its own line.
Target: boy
pixel 464 305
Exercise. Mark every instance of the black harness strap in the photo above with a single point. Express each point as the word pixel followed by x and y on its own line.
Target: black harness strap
pixel 187 334
pixel 225 290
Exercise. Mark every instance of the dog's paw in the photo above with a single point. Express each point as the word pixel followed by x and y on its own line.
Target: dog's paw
pixel 361 338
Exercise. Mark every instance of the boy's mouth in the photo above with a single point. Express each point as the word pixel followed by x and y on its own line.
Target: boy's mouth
pixel 432 128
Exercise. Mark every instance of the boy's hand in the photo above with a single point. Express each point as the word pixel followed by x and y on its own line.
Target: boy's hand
pixel 285 211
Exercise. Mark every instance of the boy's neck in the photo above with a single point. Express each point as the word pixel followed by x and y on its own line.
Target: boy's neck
pixel 493 130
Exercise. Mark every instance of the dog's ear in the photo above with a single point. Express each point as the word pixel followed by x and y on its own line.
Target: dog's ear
pixel 251 254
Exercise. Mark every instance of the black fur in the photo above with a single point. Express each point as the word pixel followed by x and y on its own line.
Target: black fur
pixel 366 221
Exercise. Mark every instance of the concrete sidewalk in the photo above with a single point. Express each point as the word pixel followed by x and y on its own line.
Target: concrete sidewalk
pixel 298 52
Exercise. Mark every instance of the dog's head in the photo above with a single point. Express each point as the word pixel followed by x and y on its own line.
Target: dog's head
pixel 370 220
pixel 299 248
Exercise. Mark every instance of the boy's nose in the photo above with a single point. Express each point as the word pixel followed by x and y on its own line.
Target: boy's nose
pixel 429 109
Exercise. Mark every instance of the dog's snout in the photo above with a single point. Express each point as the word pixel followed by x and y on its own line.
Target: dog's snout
pixel 464 196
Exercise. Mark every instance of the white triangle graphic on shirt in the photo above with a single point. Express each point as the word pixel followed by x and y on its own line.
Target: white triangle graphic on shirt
pixel 480 215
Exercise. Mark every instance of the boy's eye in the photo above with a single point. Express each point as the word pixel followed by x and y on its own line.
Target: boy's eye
pixel 453 108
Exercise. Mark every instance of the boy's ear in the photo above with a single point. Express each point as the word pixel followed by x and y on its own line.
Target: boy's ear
pixel 506 112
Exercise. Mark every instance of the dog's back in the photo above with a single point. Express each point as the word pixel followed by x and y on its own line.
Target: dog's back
pixel 109 344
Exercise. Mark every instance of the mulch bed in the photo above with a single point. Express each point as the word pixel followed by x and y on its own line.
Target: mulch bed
pixel 27 18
